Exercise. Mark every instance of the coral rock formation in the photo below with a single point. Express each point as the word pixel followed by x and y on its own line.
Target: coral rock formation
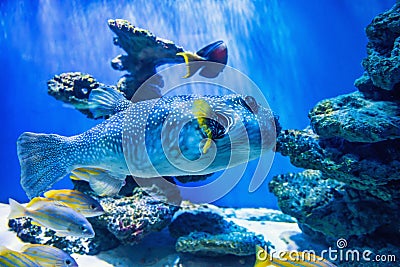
pixel 351 187
pixel 144 53
pixel 73 88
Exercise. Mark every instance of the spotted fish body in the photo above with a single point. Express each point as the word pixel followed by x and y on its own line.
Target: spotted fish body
pixel 158 137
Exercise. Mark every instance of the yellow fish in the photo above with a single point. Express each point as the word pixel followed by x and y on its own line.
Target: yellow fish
pixel 103 182
pixel 48 256
pixel 82 203
pixel 216 52
pixel 61 219
pixel 11 258
pixel 290 259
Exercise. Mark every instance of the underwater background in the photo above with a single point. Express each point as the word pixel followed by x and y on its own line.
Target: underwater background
pixel 297 52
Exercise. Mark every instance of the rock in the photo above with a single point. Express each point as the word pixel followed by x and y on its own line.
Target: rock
pixel 130 219
pixel 382 62
pixel 356 119
pixel 205 244
pixel 330 208
pixel 372 166
pixel 205 230
pixel 30 233
pixel 365 85
pixel 258 215
pixel 351 186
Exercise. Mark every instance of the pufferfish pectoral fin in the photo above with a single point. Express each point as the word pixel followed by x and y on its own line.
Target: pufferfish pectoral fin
pixel 102 182
pixel 202 110
pixel 105 101
pixel 193 63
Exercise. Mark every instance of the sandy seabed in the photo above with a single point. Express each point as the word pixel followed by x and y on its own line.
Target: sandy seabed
pixel 158 249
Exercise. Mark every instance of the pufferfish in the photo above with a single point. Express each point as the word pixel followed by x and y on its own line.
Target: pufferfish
pixel 169 136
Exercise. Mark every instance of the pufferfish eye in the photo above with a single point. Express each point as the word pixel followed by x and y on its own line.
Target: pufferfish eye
pixel 251 104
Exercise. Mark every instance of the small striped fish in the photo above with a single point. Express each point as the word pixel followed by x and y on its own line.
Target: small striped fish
pixel 48 256
pixel 62 219
pixel 11 258
pixel 82 203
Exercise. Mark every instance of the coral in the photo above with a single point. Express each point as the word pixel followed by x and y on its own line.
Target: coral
pixel 130 219
pixel 382 63
pixel 205 230
pixel 144 53
pixel 351 187
pixel 74 88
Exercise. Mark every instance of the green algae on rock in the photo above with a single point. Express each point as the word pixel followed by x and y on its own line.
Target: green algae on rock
pixel 205 244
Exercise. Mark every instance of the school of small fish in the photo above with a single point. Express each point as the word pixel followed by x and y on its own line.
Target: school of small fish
pixel 63 211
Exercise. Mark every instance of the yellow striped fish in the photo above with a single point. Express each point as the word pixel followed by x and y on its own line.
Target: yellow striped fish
pixel 61 219
pixel 103 182
pixel 11 258
pixel 82 203
pixel 290 259
pixel 48 256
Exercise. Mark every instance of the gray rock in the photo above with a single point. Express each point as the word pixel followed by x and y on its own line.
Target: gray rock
pixel 205 230
pixel 382 62
pixel 326 207
pixel 373 166
pixel 356 119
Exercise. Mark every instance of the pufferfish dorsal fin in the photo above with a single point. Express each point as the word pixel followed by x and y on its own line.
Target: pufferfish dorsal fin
pixel 202 110
pixel 105 101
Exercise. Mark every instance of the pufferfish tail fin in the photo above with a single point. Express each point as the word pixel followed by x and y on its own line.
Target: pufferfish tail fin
pixel 105 101
pixel 43 161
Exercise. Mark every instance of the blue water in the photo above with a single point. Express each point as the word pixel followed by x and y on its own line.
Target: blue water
pixel 297 52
